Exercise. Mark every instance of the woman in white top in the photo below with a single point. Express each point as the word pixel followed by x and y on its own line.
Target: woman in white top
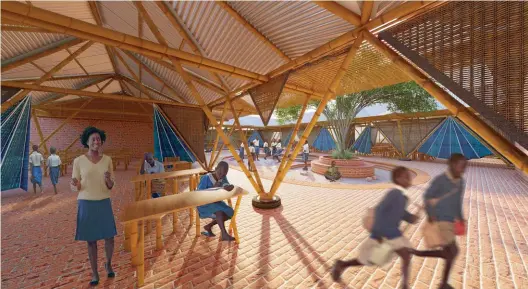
pixel 53 164
pixel 241 151
pixel 35 162
pixel 93 178
pixel 306 155
pixel 266 150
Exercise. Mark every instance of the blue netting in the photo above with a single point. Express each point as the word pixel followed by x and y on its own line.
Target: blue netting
pixel 256 135
pixel 453 137
pixel 324 141
pixel 166 141
pixel 15 145
pixel 364 142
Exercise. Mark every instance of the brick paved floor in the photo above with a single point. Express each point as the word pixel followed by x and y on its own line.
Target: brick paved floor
pixel 292 247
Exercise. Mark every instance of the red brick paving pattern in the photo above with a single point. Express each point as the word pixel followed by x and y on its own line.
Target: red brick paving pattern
pixel 293 247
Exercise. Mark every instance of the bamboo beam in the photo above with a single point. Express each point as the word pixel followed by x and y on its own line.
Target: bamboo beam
pixel 349 37
pixel 141 87
pixel 294 133
pixel 37 125
pixel 187 79
pixel 31 15
pixel 329 94
pixel 69 77
pixel 503 146
pixel 102 111
pixel 92 94
pixel 59 96
pixel 44 114
pixel 188 38
pixel 155 76
pixel 64 122
pixel 252 29
pixel 46 76
pixel 222 145
pixel 366 11
pixel 39 53
pixel 341 11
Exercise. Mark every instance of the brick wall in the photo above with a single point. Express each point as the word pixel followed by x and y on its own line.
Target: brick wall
pixel 136 136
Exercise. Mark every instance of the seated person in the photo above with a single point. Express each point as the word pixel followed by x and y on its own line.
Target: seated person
pixel 218 211
pixel 333 174
pixel 152 166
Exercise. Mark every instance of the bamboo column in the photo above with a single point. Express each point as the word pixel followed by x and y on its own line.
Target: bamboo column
pixel 186 78
pixel 215 145
pixel 20 95
pixel 487 133
pixel 37 125
pixel 400 131
pixel 294 133
pixel 222 145
pixel 330 93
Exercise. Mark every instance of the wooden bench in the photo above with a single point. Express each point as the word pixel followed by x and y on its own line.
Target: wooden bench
pixel 134 215
pixel 176 165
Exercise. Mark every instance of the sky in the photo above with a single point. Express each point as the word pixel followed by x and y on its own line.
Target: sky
pixel 254 120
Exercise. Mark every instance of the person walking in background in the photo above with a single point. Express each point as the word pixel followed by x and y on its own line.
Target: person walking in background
pixel 256 145
pixel 266 150
pixel 273 147
pixel 152 166
pixel 306 155
pixel 385 228
pixel 252 156
pixel 35 162
pixel 53 163
pixel 93 178
pixel 443 204
pixel 241 151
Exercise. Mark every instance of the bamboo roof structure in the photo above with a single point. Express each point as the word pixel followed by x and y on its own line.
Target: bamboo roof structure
pixel 225 47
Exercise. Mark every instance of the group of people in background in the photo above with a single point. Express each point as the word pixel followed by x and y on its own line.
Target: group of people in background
pixel 53 163
pixel 275 152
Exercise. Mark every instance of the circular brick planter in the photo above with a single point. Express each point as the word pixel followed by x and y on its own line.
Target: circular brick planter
pixel 352 168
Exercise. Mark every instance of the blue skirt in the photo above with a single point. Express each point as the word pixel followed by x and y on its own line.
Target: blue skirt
pixel 54 175
pixel 36 175
pixel 305 157
pixel 95 220
pixel 257 150
pixel 209 210
pixel 241 153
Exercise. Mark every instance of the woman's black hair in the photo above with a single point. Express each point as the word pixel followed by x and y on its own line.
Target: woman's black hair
pixel 88 132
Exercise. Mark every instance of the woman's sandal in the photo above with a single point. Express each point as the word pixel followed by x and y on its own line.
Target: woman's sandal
pixel 111 274
pixel 94 282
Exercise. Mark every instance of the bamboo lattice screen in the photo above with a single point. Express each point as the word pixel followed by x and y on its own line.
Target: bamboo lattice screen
pixel 482 47
pixel 266 96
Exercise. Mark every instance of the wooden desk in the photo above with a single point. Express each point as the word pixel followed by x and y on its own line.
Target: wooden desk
pixel 137 213
pixel 177 166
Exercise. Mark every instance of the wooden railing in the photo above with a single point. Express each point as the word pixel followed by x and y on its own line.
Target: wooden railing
pixel 154 209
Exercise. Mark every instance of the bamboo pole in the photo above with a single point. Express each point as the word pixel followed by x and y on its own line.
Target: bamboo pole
pixel 341 11
pixel 366 11
pixel 46 76
pixel 39 53
pixel 43 142
pixel 68 77
pixel 134 243
pixel 503 146
pixel 159 234
pixel 217 138
pixel 67 25
pixel 37 125
pixel 102 111
pixel 329 94
pixel 140 87
pixel 185 76
pixel 59 96
pixel 294 133
pixel 23 29
pixel 92 94
pixel 252 29
pixel 222 145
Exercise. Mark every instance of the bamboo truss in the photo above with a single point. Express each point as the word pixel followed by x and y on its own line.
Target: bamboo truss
pixel 503 146
pixel 341 11
pixel 217 138
pixel 329 94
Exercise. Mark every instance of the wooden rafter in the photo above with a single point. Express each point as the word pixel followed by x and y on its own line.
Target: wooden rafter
pixel 20 95
pixel 39 53
pixel 252 29
pixel 96 111
pixel 86 85
pixel 23 29
pixel 147 90
pixel 69 77
pixel 91 94
pixel 366 11
pixel 39 130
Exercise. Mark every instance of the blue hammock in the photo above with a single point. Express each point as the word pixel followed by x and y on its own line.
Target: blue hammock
pixel 166 141
pixel 324 141
pixel 453 137
pixel 364 142
pixel 15 125
pixel 256 135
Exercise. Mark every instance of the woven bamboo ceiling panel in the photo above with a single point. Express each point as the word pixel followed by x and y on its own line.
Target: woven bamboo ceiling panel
pixel 289 98
pixel 191 124
pixel 369 70
pixel 482 47
pixel 265 96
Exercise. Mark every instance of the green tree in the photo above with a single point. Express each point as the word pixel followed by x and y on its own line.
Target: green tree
pixel 405 97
